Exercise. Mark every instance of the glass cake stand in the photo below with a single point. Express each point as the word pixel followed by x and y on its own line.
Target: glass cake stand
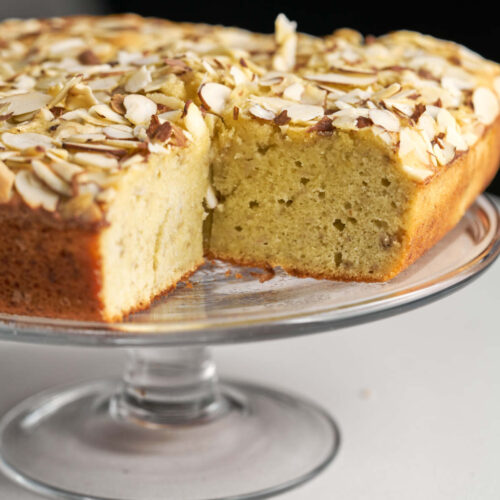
pixel 168 428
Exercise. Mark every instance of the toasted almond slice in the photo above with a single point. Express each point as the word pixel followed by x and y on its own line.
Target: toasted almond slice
pixel 444 152
pixel 92 147
pixel 66 46
pixel 139 109
pixel 80 96
pixel 386 92
pixel 385 119
pixel 34 193
pixel 485 105
pixel 286 39
pixel 96 137
pixel 63 92
pixel 107 83
pixel 65 169
pixel 343 79
pixel 138 80
pixel 122 145
pixel 48 177
pixel 7 179
pixel 104 111
pixel 118 133
pixel 294 92
pixel 271 78
pixel 26 140
pixel 214 96
pixel 96 160
pixel 132 160
pixel 24 103
pixel 171 116
pixel 258 111
pixel 240 78
pixel 418 174
pixel 194 121
pixel 304 112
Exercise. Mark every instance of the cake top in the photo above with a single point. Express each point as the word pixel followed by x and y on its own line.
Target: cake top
pixel 83 100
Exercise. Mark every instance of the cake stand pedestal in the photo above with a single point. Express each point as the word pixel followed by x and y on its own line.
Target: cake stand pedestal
pixel 169 428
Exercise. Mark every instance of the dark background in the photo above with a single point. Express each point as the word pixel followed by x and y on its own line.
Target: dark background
pixel 473 24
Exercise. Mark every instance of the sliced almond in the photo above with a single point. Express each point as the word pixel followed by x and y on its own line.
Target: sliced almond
pixel 304 112
pixel 63 91
pixel 418 174
pixel 444 152
pixel 118 133
pixel 65 169
pixel 96 160
pixel 26 140
pixel 7 179
pixel 48 177
pixel 66 46
pixel 138 80
pixel 104 111
pixel 34 193
pixel 139 109
pixel 80 96
pixel 485 105
pixel 24 103
pixel 262 113
pixel 91 147
pixel 385 119
pixel 195 124
pixel 214 96
pixel 343 79
pixel 286 40
pixel 294 92
pixel 239 76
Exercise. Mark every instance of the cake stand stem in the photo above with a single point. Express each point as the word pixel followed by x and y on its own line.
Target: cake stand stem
pixel 167 429
pixel 168 386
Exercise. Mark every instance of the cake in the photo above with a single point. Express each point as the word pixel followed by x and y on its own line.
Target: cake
pixel 131 149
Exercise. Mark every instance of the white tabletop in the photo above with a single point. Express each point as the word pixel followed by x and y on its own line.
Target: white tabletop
pixel 416 396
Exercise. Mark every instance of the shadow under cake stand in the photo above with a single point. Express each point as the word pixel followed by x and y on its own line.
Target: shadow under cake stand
pixel 169 428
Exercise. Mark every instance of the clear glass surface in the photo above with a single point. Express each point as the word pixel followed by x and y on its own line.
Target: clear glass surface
pixel 225 309
pixel 168 428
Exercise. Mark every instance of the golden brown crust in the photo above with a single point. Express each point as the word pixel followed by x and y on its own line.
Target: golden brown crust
pixel 442 202
pixel 46 270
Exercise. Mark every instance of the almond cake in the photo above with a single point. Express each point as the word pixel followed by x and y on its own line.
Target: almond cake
pixel 132 148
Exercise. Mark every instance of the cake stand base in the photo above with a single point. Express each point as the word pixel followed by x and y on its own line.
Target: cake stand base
pixel 227 441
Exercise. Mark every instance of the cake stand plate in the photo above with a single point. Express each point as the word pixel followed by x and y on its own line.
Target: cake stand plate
pixel 168 428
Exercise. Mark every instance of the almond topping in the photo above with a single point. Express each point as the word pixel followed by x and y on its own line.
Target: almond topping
pixel 24 103
pixel 116 104
pixel 195 124
pixel 138 80
pixel 34 193
pixel 157 131
pixel 96 160
pixel 26 140
pixel 343 79
pixel 139 109
pixel 418 174
pixel 485 105
pixel 258 111
pixel 7 178
pixel 282 118
pixel 48 177
pixel 214 96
